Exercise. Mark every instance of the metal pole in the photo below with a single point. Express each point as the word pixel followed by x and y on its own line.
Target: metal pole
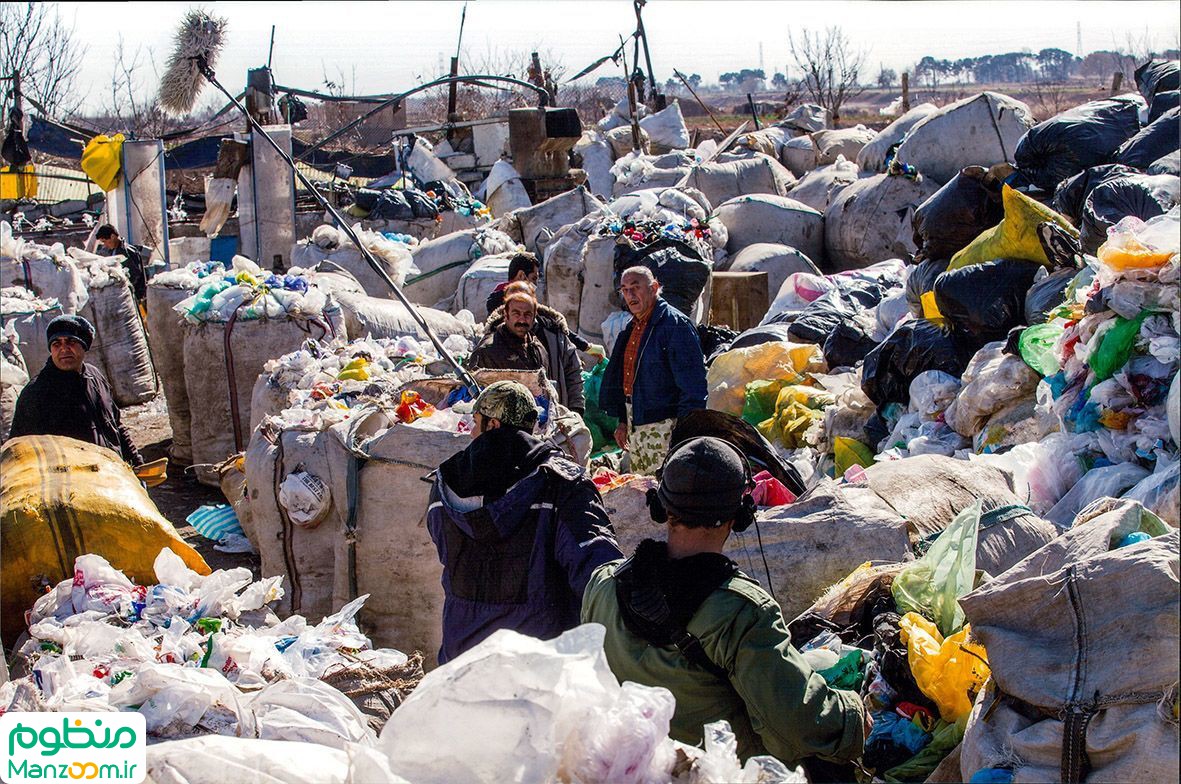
pixel 638 4
pixel 256 128
pixel 689 87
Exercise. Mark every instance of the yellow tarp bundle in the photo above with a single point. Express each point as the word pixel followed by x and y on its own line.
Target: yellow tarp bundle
pixel 102 160
pixel 61 498
pixel 1015 237
pixel 729 374
pixel 18 182
pixel 950 671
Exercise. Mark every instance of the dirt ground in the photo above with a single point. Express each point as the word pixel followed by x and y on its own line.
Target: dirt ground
pixel 181 494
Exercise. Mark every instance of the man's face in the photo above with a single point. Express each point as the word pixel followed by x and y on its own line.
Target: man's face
pixel 528 277
pixel 519 315
pixel 110 243
pixel 482 424
pixel 67 354
pixel 638 294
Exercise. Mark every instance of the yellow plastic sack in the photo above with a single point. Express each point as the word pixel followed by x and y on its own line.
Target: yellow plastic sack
pixel 18 182
pixel 1015 237
pixel 848 452
pixel 930 308
pixel 950 671
pixel 102 160
pixel 61 498
pixel 729 374
pixel 796 409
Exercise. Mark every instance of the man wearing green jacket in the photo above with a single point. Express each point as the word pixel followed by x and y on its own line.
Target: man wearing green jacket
pixel 682 616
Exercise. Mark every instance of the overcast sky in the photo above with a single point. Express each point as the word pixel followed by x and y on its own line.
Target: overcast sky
pixel 391 46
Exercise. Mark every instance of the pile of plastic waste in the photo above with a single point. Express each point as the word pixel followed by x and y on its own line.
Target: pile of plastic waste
pixel 194 655
pixel 246 292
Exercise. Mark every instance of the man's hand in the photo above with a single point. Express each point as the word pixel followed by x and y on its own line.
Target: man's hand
pixel 621 435
pixel 597 351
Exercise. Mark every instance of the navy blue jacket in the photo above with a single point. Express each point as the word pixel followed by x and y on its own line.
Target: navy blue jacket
pixel 670 372
pixel 521 561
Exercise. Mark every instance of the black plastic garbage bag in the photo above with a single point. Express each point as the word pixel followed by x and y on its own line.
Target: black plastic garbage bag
pixel 817 321
pixel 1047 294
pixel 1076 139
pixel 423 206
pixel 956 214
pixel 1162 102
pixel 912 348
pixel 1156 140
pixel 1158 76
pixel 392 205
pixel 921 280
pixel 1072 192
pixel 683 275
pixel 1142 195
pixel 983 302
pixel 847 345
pixel 1169 164
pixel 766 333
pixel 366 198
pixel 714 340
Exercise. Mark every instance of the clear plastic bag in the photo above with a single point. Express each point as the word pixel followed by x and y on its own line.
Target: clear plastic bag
pixel 1107 481
pixel 1136 244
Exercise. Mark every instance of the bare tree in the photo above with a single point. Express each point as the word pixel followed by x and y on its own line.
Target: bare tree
pixel 35 42
pixel 832 67
pixel 132 105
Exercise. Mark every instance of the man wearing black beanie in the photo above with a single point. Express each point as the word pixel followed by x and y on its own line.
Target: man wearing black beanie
pixel 70 397
pixel 679 614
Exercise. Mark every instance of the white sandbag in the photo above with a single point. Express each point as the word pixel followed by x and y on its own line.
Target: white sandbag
pixel 806 118
pixel 982 130
pixel 218 387
pixel 724 181
pixel 798 155
pixel 597 159
pixel 622 141
pixel 666 129
pixel 820 186
pixel 28 317
pixel 478 281
pixel 563 268
pixel 541 222
pixel 778 261
pixel 870 220
pixel 620 114
pixel 504 191
pixel 633 173
pixel 382 318
pixel 44 270
pixel 598 279
pixel 1059 628
pixel 846 142
pixel 768 141
pixel 769 218
pixel 427 166
pixel 328 243
pixel 13 377
pixel 872 157
pixel 185 250
pixel 166 328
pixel 441 262
pixel 120 347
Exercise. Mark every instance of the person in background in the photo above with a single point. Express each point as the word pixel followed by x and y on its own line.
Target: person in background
pixel 522 267
pixel 111 244
pixel 656 372
pixel 70 397
pixel 681 615
pixel 523 335
pixel 518 528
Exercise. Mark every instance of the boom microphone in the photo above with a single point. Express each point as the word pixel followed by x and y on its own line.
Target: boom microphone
pixel 197 43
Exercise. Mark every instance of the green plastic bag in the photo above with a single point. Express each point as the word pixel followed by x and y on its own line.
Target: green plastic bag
pixel 1116 346
pixel 944 739
pixel 759 400
pixel 1036 345
pixel 932 585
pixel 846 673
pixel 601 425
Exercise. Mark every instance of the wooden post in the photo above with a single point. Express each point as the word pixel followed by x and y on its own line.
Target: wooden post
pixel 905 92
pixel 1117 79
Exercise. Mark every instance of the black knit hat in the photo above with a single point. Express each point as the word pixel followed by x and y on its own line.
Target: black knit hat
pixel 74 327
pixel 702 482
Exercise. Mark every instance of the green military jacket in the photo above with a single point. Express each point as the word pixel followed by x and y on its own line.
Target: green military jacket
pixel 775 703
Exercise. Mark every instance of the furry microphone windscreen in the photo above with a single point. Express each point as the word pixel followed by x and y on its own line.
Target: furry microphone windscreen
pixel 200 36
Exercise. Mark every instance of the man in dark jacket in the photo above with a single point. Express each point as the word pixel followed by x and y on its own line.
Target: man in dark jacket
pixel 523 335
pixel 521 267
pixel 111 244
pixel 656 372
pixel 71 398
pixel 681 615
pixel 519 528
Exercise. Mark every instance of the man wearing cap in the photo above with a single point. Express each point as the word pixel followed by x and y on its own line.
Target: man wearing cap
pixel 681 615
pixel 519 336
pixel 518 527
pixel 71 398
pixel 656 372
